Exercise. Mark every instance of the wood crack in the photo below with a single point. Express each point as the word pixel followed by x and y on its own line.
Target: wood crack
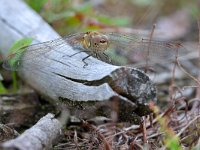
pixel 12 27
pixel 86 82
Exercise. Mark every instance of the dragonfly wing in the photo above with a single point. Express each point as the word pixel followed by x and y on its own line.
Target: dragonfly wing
pixel 142 50
pixel 15 61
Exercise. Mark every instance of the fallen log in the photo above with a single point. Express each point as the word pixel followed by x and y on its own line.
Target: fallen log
pixel 63 79
pixel 40 136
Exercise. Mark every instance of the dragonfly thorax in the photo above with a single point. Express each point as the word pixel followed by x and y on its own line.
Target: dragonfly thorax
pixel 95 42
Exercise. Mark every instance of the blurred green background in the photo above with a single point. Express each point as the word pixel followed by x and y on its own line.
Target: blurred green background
pixel 69 16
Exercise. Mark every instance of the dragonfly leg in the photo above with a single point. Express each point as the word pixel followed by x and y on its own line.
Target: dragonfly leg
pixel 85 64
pixel 77 53
pixel 97 56
pixel 108 58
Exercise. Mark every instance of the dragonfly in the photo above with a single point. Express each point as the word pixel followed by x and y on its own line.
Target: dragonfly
pixel 100 45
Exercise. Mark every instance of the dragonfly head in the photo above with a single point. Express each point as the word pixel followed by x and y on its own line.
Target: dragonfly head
pixel 95 41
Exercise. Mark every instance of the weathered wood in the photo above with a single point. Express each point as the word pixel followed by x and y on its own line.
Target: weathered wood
pixel 63 78
pixel 40 136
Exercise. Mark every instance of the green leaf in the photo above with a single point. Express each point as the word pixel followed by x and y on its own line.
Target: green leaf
pixel 2 88
pixel 173 143
pixel 85 8
pixel 37 5
pixel 15 53
pixel 17 50
pixel 113 21
pixel 14 83
pixel 20 44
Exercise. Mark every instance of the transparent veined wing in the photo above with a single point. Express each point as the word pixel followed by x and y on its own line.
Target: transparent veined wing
pixel 101 46
pixel 143 50
pixel 14 61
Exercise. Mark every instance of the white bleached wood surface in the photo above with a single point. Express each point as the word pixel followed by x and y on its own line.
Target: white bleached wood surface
pixel 38 137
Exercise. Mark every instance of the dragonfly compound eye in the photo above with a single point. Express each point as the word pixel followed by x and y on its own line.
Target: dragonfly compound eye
pixel 103 41
pixel 95 41
pixel 100 42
